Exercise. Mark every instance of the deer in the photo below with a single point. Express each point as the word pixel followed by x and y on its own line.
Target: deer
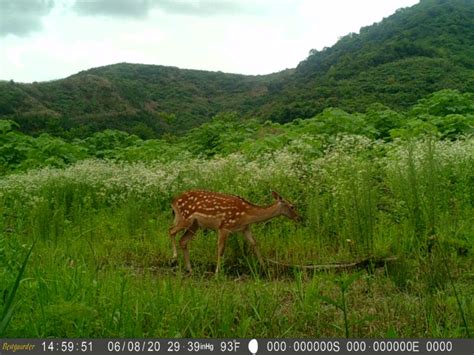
pixel 223 213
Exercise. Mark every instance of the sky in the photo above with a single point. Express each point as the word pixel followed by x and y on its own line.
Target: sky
pixel 44 40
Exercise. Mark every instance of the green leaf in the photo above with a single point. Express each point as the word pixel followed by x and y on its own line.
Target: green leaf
pixel 8 309
pixel 330 301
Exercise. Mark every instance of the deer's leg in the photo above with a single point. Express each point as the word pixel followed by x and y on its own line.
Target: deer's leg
pixel 183 242
pixel 172 232
pixel 178 226
pixel 222 237
pixel 253 244
pixel 173 245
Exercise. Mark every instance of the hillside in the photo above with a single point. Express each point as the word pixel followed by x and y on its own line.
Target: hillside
pixel 414 52
pixel 143 99
pixel 408 55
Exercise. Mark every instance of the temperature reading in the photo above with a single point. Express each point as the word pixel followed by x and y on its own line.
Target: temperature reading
pixel 230 345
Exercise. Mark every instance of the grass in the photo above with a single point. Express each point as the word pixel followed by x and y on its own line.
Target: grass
pixel 101 264
pixel 9 306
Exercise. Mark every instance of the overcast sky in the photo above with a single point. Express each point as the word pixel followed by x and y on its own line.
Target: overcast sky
pixel 51 39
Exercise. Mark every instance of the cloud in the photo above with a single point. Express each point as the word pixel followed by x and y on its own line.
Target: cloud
pixel 141 8
pixel 123 8
pixel 21 17
pixel 201 7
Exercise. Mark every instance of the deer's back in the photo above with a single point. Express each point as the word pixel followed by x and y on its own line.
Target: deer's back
pixel 211 209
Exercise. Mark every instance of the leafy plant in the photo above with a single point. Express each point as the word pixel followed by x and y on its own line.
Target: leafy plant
pixel 343 282
pixel 9 306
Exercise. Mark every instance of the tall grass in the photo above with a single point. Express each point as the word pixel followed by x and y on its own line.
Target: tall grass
pixel 101 265
pixel 9 305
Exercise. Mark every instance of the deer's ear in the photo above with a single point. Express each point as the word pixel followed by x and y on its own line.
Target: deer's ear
pixel 276 196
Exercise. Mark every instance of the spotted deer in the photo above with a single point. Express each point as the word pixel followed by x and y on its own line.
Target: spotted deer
pixel 225 214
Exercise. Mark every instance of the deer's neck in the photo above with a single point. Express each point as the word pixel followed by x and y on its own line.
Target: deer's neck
pixel 262 214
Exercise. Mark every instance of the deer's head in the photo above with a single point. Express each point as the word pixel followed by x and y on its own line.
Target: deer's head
pixel 286 207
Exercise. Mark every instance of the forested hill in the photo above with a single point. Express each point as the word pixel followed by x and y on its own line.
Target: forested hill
pixel 417 50
pixel 408 55
pixel 146 100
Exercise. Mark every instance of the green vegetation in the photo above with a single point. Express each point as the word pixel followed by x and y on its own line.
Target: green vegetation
pixel 372 139
pixel 446 114
pixel 375 184
pixel 408 55
pixel 405 57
